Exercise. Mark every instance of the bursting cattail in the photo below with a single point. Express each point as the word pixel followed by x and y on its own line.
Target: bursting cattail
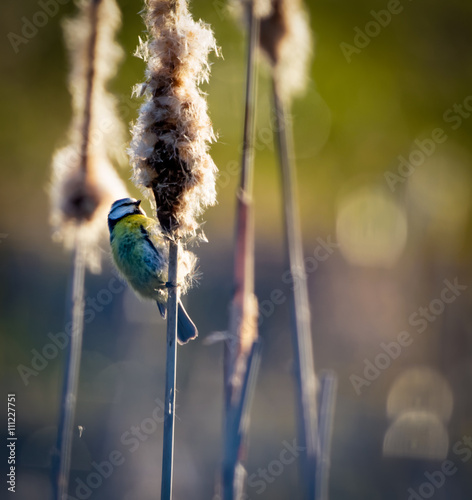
pixel 171 138
pixel 84 182
pixel 286 40
pixel 170 159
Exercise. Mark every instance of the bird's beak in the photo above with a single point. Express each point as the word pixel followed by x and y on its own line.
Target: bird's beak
pixel 138 203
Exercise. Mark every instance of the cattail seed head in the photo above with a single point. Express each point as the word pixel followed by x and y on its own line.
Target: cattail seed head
pixel 261 8
pixel 169 148
pixel 84 183
pixel 286 40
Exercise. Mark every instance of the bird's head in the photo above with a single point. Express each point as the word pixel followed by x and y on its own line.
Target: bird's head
pixel 123 208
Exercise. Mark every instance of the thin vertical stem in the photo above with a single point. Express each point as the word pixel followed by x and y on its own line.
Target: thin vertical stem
pixel 302 341
pixel 62 458
pixel 251 96
pixel 171 369
pixel 237 425
pixel 90 79
pixel 244 253
pixel 326 404
pixel 247 391
pixel 235 355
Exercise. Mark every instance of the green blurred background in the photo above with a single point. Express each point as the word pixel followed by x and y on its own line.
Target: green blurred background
pixel 395 240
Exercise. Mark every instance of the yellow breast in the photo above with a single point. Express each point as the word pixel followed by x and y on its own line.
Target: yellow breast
pixel 139 256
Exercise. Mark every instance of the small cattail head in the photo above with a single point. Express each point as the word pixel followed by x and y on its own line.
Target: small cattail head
pixel 238 8
pixel 84 183
pixel 81 198
pixel 80 202
pixel 169 149
pixel 285 38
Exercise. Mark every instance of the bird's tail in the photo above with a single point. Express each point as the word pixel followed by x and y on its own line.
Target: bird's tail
pixel 186 329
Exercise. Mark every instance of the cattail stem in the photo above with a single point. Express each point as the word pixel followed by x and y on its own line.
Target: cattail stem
pixel 237 426
pixel 244 246
pixel 250 102
pixel 89 79
pixel 62 457
pixel 241 411
pixel 171 370
pixel 326 405
pixel 301 329
pixel 237 395
pixel 244 255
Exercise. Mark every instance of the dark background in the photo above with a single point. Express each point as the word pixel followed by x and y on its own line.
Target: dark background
pixel 393 251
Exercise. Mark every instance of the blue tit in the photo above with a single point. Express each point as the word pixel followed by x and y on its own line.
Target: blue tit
pixel 142 258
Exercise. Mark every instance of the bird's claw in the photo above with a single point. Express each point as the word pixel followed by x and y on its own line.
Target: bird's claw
pixel 170 284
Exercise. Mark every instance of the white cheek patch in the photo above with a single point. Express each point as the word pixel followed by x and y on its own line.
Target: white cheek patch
pixel 121 211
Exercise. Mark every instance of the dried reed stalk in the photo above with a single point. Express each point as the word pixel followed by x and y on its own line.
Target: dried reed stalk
pixel 62 454
pixel 241 358
pixel 326 405
pixel 169 154
pixel 286 41
pixel 301 326
pixel 83 185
